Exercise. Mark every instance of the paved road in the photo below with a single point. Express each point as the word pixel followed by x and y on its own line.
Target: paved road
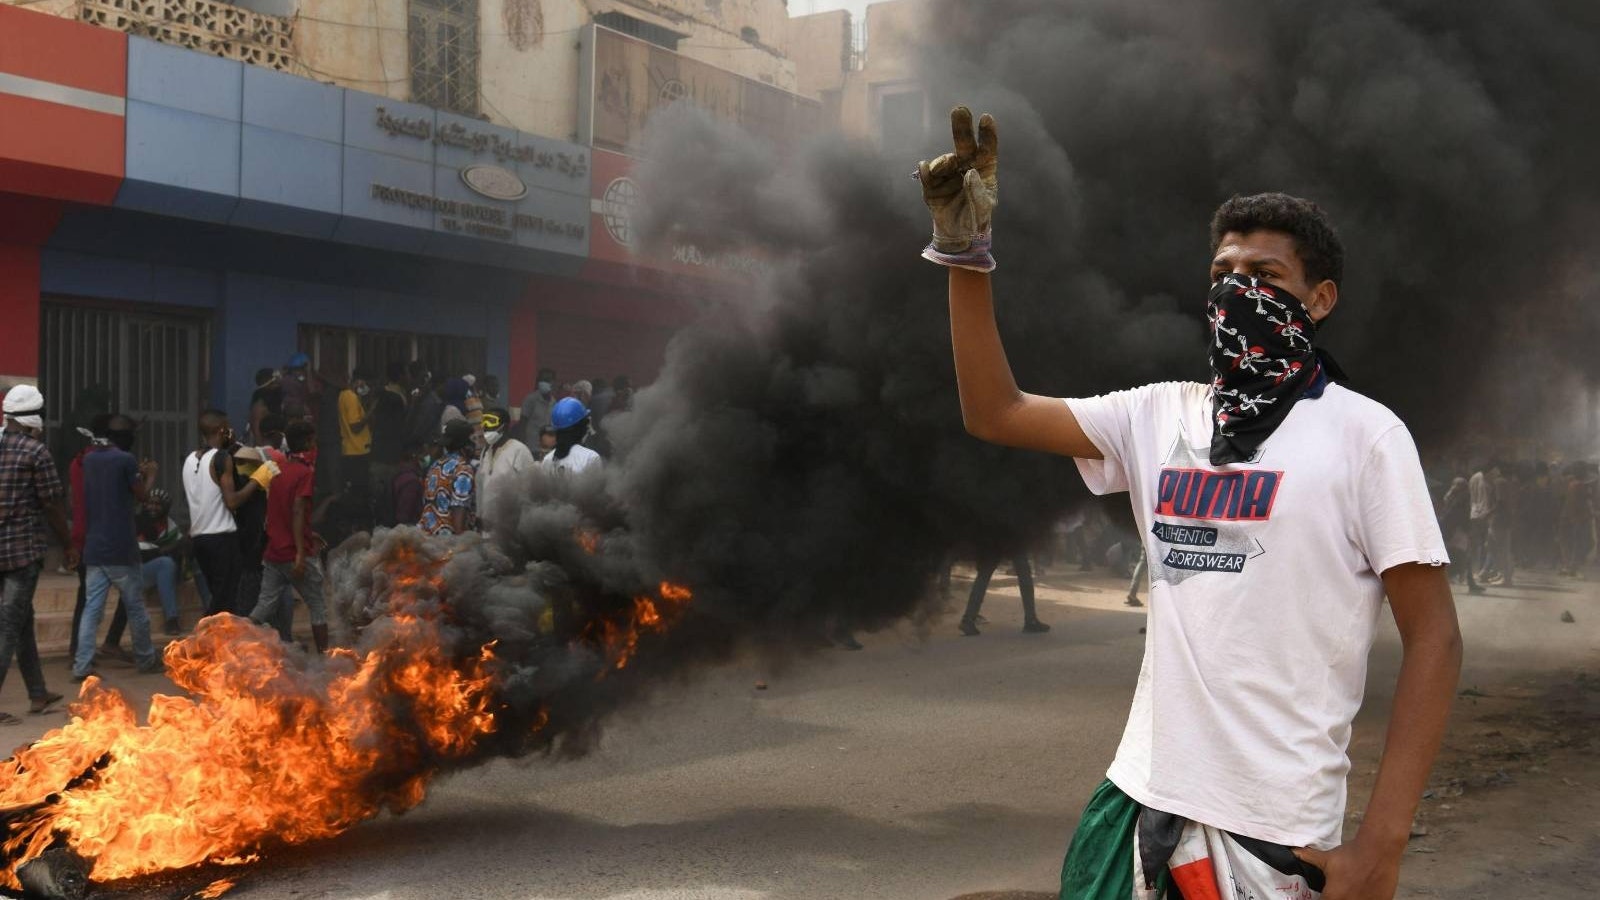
pixel 918 768
pixel 925 767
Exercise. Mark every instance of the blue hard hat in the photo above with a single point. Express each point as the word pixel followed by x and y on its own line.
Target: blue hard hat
pixel 298 361
pixel 567 412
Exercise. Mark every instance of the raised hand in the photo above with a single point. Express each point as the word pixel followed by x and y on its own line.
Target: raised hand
pixel 961 190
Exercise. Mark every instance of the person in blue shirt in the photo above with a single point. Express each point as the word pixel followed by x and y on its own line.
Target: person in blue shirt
pixel 115 483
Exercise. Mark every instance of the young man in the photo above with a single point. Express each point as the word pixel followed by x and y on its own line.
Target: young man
pixel 536 406
pixel 208 484
pixel 30 496
pixel 450 489
pixel 162 545
pixel 503 457
pixel 114 482
pixel 570 419
pixel 1277 510
pixel 251 520
pixel 293 549
pixel 355 438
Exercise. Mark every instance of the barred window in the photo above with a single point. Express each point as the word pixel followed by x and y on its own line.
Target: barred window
pixel 444 54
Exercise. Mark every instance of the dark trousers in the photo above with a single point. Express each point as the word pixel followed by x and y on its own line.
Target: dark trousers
pixel 16 627
pixel 219 560
pixel 119 621
pixel 980 585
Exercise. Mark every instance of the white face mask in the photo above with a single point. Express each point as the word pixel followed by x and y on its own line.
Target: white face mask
pixel 544 387
pixel 491 437
pixel 363 391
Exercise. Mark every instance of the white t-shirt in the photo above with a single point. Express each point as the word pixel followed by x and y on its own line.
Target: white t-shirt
pixel 578 459
pixel 1482 494
pixel 1264 599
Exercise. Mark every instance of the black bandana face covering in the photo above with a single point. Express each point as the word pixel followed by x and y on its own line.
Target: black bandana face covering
pixel 1262 362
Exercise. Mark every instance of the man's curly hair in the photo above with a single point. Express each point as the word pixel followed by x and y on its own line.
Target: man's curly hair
pixel 1319 247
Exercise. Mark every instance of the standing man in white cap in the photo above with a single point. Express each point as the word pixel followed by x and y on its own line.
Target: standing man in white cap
pixel 30 495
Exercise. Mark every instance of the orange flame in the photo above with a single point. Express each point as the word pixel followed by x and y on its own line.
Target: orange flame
pixel 264 750
pixel 620 639
pixel 588 539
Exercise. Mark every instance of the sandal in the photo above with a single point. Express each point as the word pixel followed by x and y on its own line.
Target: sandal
pixel 42 705
pixel 8 719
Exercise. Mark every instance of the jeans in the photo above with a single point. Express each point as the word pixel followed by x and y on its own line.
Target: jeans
pixel 980 585
pixel 130 584
pixel 276 577
pixel 16 627
pixel 163 573
pixel 119 622
pixel 250 590
pixel 219 559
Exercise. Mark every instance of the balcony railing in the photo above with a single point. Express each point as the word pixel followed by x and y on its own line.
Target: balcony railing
pixel 205 25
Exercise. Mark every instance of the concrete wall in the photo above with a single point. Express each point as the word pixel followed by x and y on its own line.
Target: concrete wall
pixel 528 69
pixel 819 45
pixel 892 29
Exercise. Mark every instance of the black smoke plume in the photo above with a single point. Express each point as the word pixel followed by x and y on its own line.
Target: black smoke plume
pixel 801 464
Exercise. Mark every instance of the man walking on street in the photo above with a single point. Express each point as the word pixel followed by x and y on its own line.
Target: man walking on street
pixel 30 496
pixel 1502 525
pixel 114 484
pixel 293 555
pixel 1480 488
pixel 988 561
pixel 1278 508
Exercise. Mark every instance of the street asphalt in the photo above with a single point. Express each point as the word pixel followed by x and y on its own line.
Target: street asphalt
pixel 924 767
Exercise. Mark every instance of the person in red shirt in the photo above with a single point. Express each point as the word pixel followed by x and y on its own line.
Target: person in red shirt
pixel 293 550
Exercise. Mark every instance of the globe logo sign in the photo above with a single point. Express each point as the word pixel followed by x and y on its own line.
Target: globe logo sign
pixel 616 209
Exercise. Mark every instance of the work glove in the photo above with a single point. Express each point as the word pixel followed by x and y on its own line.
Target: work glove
pixel 264 474
pixel 962 190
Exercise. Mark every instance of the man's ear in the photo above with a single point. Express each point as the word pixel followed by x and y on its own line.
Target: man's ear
pixel 1324 297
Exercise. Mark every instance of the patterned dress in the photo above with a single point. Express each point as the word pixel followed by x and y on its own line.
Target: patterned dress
pixel 451 484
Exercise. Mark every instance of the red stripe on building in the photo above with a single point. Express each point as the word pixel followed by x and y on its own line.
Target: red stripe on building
pixel 50 150
pixel 63 51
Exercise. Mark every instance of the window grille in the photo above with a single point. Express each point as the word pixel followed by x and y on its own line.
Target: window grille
pixel 639 28
pixel 444 54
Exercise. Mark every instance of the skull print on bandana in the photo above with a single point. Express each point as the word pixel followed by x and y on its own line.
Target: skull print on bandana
pixel 1262 362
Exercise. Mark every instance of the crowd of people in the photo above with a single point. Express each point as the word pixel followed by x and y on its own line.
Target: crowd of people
pixel 319 458
pixel 1503 516
pixel 323 457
